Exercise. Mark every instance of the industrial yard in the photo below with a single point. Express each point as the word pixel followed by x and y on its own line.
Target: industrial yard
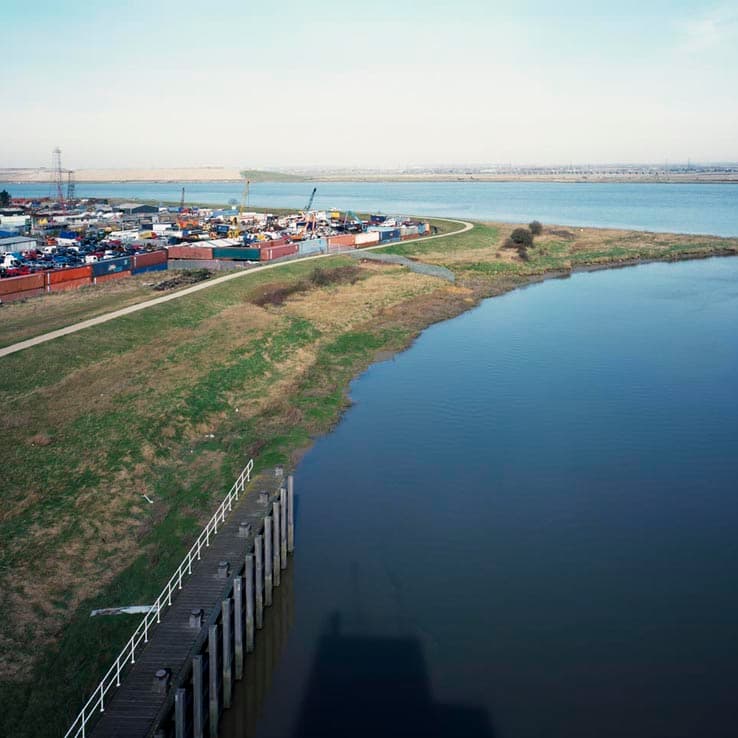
pixel 63 243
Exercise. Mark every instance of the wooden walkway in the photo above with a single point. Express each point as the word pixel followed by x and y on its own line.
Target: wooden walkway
pixel 137 706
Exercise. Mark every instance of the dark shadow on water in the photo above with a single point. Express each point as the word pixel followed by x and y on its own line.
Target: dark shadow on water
pixel 362 685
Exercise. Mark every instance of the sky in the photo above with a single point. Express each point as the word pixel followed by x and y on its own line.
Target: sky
pixel 385 84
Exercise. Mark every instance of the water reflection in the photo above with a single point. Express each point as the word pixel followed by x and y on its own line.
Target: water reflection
pixel 365 685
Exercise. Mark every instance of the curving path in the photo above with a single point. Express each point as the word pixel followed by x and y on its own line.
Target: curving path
pixel 44 337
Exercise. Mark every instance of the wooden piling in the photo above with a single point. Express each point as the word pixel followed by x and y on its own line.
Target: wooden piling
pixel 249 576
pixel 238 627
pixel 290 513
pixel 180 716
pixel 198 697
pixel 259 581
pixel 276 564
pixel 213 698
pixel 283 528
pixel 227 654
pixel 268 560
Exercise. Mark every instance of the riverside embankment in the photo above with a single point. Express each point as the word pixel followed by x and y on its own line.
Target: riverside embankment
pixel 164 403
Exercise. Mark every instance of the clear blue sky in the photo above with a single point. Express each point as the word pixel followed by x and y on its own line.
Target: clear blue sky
pixel 372 84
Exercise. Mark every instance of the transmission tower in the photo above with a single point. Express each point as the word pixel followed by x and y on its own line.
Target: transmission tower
pixel 57 174
pixel 70 186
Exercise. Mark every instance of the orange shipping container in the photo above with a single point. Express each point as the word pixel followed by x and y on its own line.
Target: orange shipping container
pixel 22 295
pixel 21 284
pixel 347 240
pixel 190 252
pixel 275 252
pixel 110 277
pixel 70 275
pixel 71 284
pixel 149 259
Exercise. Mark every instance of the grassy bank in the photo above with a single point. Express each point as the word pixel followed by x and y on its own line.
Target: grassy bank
pixel 172 401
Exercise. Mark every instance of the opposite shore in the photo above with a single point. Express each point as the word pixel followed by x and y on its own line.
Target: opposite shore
pixel 214 175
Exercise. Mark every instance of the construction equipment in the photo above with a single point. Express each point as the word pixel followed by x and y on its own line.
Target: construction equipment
pixel 352 222
pixel 245 197
pixel 310 201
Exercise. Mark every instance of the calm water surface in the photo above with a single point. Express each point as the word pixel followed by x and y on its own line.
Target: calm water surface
pixel 526 525
pixel 677 208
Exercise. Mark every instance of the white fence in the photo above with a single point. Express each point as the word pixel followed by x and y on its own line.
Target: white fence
pixel 112 678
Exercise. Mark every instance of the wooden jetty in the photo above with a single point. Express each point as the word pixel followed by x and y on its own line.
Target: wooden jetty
pixel 179 682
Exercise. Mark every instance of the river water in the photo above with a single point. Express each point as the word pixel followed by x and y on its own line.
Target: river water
pixel 681 208
pixel 525 525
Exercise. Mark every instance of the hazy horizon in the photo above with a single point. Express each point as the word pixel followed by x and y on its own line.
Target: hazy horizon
pixel 324 85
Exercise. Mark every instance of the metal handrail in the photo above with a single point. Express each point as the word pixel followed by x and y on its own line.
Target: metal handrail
pixel 96 703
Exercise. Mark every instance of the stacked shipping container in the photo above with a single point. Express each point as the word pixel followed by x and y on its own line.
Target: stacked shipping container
pixel 19 288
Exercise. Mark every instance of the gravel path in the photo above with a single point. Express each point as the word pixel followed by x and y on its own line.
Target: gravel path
pixel 431 270
pixel 44 337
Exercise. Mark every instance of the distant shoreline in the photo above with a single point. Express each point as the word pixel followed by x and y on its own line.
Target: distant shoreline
pixel 411 179
pixel 225 175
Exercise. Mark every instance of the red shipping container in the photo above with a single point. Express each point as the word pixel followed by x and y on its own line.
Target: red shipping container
pixel 21 284
pixel 275 252
pixel 276 242
pixel 10 297
pixel 190 252
pixel 110 277
pixel 71 284
pixel 409 237
pixel 70 275
pixel 348 240
pixel 149 258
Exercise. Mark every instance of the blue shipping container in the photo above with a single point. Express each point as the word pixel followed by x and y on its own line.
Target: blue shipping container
pixel 151 268
pixel 312 246
pixel 111 266
pixel 390 235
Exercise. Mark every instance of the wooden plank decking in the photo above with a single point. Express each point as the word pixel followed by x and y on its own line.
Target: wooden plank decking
pixel 136 707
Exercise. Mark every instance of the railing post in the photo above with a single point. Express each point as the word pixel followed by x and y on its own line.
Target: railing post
pixel 227 662
pixel 198 697
pixel 259 580
pixel 290 513
pixel 268 560
pixel 102 696
pixel 238 627
pixel 249 575
pixel 117 672
pixel 214 697
pixel 283 528
pixel 276 545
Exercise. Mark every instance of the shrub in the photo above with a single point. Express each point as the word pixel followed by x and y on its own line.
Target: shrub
pixel 536 228
pixel 523 253
pixel 522 237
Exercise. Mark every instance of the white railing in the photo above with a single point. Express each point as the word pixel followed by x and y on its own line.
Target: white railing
pixel 127 656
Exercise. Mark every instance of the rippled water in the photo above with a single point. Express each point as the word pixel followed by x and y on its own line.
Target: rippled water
pixel 704 208
pixel 524 526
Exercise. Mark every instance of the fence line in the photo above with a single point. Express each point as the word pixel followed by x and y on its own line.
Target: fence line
pixel 96 703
